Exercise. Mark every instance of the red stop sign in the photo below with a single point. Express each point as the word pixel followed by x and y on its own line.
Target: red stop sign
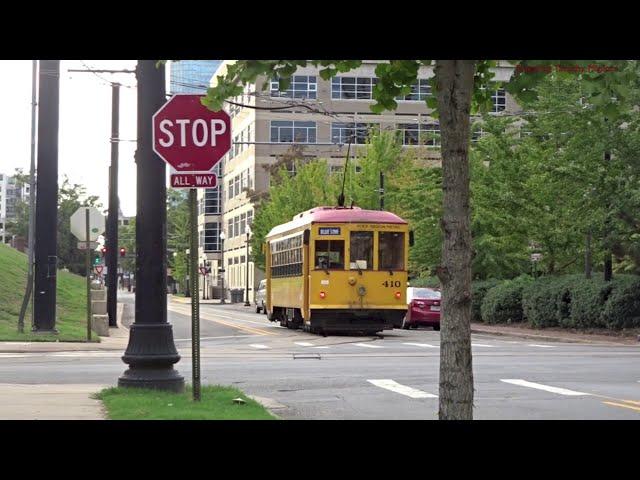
pixel 189 136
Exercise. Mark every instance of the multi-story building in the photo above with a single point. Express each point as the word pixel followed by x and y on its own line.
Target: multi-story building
pixel 10 194
pixel 322 118
pixel 190 76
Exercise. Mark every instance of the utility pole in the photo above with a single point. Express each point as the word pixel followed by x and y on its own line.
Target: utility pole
pixel 32 197
pixel 151 352
pixel 112 217
pixel 46 259
pixel 608 260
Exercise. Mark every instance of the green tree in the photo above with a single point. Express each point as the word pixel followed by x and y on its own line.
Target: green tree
pixel 178 233
pixel 460 86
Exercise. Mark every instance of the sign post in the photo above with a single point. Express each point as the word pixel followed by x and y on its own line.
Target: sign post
pixel 87 223
pixel 192 139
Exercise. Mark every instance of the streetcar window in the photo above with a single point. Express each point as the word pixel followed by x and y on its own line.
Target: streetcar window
pixel 391 251
pixel 361 255
pixel 329 254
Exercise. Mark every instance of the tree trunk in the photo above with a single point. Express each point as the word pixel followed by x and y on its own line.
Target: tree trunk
pixel 587 256
pixel 454 91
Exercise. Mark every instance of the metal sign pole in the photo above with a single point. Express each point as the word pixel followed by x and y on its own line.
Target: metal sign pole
pixel 195 298
pixel 87 261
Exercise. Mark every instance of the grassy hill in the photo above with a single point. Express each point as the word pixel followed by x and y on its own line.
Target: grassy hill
pixel 71 302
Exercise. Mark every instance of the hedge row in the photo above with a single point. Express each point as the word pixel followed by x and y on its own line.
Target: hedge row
pixel 569 301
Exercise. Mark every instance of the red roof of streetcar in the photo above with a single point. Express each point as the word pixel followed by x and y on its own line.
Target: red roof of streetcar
pixel 337 215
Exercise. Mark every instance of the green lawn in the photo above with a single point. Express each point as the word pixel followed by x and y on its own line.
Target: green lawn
pixel 216 404
pixel 71 317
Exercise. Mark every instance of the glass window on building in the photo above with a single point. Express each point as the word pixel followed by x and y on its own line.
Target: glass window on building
pixel 243 223
pixel 352 88
pixel 230 229
pixel 391 251
pixel 361 251
pixel 250 217
pixel 212 201
pixel 301 86
pixel 286 131
pixel 499 98
pixel 211 237
pixel 231 189
pixel 236 225
pixel 357 133
pixel 419 91
pixel 420 134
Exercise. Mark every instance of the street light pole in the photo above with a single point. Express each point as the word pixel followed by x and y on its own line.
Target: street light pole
pixel 246 301
pixel 151 352
pixel 222 237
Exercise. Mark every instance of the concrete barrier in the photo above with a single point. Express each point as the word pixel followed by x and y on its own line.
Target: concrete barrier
pixel 98 295
pixel 100 324
pixel 99 307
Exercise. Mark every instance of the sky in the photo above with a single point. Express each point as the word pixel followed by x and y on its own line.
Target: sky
pixel 84 151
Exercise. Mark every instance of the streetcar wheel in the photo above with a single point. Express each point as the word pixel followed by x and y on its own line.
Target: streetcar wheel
pixel 405 325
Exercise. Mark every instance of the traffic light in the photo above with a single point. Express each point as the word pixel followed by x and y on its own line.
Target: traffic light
pixel 123 251
pixel 104 251
pixel 96 261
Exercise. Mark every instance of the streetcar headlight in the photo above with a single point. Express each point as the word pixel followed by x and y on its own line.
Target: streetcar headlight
pixel 323 295
pixel 398 295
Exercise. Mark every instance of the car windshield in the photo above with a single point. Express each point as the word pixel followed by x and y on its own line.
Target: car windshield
pixel 424 294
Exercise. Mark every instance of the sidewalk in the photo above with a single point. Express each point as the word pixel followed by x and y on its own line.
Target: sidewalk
pixel 552 335
pixel 50 402
pixel 118 339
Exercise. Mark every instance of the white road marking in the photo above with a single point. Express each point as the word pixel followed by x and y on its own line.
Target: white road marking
pixel 539 386
pixel 13 355
pixel 540 346
pixel 322 346
pixel 258 345
pixel 304 344
pixel 424 345
pixel 368 345
pixel 481 345
pixel 401 389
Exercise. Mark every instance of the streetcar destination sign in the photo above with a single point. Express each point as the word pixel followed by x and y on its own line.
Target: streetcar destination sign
pixel 329 231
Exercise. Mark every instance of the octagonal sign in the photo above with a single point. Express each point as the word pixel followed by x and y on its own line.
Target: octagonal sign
pixel 189 136
pixel 78 224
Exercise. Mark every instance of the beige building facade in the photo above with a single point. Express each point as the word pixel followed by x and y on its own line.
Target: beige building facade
pixel 318 117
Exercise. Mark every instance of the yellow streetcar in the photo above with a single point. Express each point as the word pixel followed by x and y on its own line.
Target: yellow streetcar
pixel 338 269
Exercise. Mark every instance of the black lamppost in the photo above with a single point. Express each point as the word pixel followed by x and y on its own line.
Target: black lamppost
pixel 222 270
pixel 151 352
pixel 246 302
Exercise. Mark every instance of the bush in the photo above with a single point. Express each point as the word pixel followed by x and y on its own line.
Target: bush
pixel 503 303
pixel 546 301
pixel 479 289
pixel 588 298
pixel 622 308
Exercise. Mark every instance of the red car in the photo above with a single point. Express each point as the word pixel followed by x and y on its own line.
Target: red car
pixel 423 308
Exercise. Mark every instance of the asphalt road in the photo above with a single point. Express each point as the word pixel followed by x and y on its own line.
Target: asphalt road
pixel 393 377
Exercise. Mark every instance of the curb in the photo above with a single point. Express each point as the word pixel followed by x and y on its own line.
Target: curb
pixel 269 404
pixel 549 338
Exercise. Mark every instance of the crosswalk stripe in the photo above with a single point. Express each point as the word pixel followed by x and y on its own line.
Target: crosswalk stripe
pixel 539 386
pixel 304 344
pixel 368 345
pixel 258 345
pixel 322 346
pixel 424 345
pixel 396 387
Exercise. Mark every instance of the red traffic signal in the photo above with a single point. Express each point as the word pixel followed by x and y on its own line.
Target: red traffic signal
pixel 104 251
pixel 122 251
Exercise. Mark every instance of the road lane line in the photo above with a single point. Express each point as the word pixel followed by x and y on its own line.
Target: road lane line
pixel 304 344
pixel 323 346
pixel 623 405
pixel 396 387
pixel 367 345
pixel 481 345
pixel 540 346
pixel 539 386
pixel 258 345
pixel 423 345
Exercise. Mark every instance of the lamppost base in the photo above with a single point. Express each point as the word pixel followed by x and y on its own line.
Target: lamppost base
pixel 247 304
pixel 150 355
